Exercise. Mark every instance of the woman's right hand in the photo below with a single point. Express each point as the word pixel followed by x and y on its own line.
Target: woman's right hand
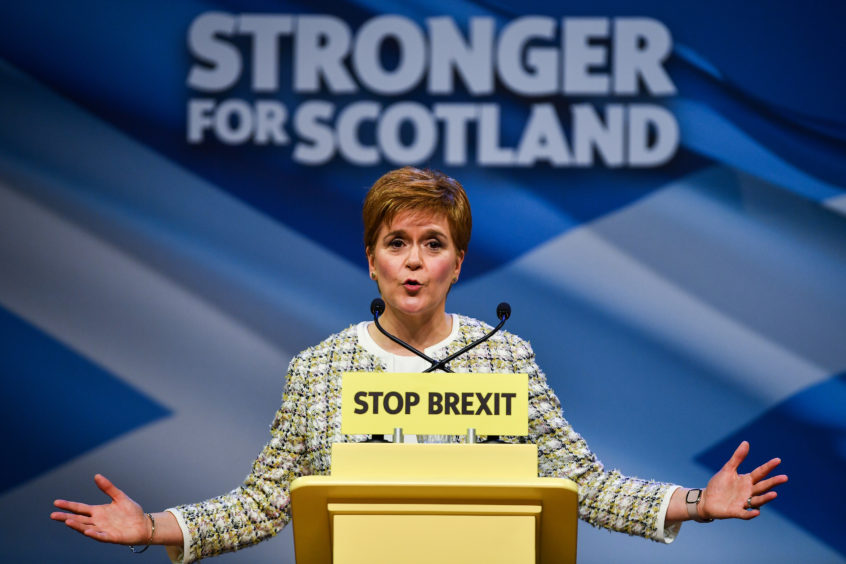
pixel 121 522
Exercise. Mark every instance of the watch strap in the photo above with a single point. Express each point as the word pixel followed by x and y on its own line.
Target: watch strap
pixel 692 498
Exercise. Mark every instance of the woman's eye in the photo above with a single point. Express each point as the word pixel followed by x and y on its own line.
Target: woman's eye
pixel 396 243
pixel 434 244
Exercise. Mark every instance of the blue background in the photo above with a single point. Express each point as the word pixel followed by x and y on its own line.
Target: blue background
pixel 152 292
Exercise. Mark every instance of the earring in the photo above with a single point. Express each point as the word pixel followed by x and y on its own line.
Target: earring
pixel 373 275
pixel 454 280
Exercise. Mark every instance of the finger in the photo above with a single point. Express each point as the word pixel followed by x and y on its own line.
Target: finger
pixel 768 484
pixel 78 526
pixel 750 514
pixel 90 530
pixel 108 487
pixel 739 456
pixel 81 521
pixel 764 469
pixel 60 516
pixel 761 500
pixel 73 506
pixel 75 517
pixel 99 535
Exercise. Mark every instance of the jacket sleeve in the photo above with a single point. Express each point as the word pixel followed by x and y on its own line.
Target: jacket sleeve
pixel 259 508
pixel 607 499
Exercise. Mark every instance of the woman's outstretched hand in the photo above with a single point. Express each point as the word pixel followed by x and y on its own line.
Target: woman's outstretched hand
pixel 728 494
pixel 121 522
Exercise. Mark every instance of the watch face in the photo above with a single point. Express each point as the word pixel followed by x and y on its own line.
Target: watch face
pixel 693 496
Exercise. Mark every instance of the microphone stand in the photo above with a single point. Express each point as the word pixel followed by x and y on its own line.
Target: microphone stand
pixel 377 307
pixel 503 312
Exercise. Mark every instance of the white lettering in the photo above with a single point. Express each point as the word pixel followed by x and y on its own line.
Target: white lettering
pixel 543 139
pixel 456 118
pixel 653 135
pixel 265 30
pixel 411 54
pixel 539 74
pixel 349 123
pixel 270 122
pixel 390 54
pixel 224 59
pixel 321 44
pixel 580 56
pixel 487 138
pixel 233 121
pixel 473 63
pixel 606 138
pixel 423 133
pixel 309 123
pixel 641 45
pixel 199 119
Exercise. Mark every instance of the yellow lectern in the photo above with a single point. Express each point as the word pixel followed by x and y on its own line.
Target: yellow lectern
pixel 424 503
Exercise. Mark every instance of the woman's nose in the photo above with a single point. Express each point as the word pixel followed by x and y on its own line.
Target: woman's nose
pixel 413 259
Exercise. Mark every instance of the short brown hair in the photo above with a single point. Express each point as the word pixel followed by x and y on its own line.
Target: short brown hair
pixel 415 189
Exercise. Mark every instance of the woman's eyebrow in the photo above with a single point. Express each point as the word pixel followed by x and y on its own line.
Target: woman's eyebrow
pixel 431 232
pixel 395 233
pixel 434 233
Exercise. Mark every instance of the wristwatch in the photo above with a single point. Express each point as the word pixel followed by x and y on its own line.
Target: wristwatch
pixel 691 499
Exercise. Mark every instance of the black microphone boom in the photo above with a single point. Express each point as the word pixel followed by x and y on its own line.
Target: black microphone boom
pixel 503 312
pixel 377 308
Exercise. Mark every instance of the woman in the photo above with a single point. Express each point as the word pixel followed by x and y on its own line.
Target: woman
pixel 416 231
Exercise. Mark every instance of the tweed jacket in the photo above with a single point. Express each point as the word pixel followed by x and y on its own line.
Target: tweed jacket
pixel 309 421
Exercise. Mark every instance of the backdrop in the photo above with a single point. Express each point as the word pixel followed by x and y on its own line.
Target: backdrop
pixel 658 190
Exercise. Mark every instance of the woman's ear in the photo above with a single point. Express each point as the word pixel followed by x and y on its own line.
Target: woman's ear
pixel 371 265
pixel 459 260
pixel 369 256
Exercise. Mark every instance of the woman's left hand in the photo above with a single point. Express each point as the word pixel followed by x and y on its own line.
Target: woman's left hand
pixel 732 495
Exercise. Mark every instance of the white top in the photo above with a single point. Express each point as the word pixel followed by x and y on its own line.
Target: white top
pixel 402 363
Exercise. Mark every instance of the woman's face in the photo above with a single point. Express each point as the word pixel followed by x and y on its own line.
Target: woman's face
pixel 415 262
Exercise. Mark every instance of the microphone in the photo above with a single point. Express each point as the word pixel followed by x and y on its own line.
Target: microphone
pixel 377 308
pixel 503 310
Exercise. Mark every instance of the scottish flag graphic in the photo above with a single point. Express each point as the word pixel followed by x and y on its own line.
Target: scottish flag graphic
pixel 159 269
